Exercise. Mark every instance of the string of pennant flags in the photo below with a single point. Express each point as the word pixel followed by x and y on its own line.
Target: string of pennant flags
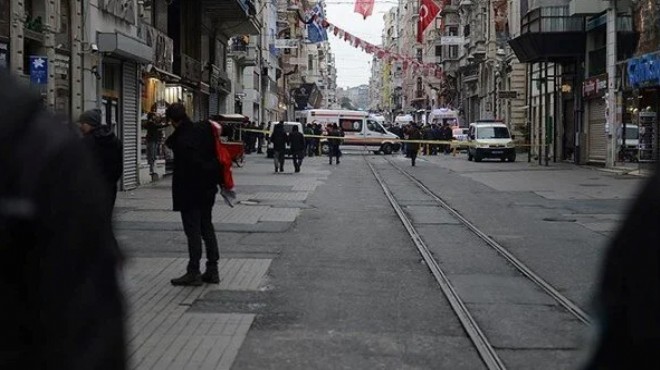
pixel 428 69
pixel 318 28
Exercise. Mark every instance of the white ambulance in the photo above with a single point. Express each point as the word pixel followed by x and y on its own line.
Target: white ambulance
pixel 359 129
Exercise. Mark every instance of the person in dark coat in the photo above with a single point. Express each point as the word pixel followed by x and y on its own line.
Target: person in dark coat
pixel 334 142
pixel 58 268
pixel 194 186
pixel 106 150
pixel 279 140
pixel 413 148
pixel 628 296
pixel 297 141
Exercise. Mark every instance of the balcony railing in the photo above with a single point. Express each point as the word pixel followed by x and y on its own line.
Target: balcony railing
pixel 551 19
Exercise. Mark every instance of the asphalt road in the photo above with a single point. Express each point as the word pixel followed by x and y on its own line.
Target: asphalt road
pixel 347 288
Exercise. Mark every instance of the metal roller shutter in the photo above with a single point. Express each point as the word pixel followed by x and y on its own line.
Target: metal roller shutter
pixel 597 138
pixel 214 102
pixel 130 126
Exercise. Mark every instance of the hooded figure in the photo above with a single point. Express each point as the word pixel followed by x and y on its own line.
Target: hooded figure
pixel 106 150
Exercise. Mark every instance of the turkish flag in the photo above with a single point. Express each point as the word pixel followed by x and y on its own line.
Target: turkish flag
pixel 364 7
pixel 428 10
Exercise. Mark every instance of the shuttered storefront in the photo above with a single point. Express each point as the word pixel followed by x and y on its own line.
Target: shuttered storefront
pixel 597 150
pixel 129 135
pixel 214 102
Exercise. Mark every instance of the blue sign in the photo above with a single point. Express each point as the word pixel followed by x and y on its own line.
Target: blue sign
pixel 644 71
pixel 38 70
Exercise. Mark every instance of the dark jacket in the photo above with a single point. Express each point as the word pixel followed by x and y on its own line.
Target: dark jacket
pixel 58 268
pixel 414 134
pixel 297 141
pixel 108 156
pixel 279 139
pixel 196 168
pixel 335 134
pixel 628 297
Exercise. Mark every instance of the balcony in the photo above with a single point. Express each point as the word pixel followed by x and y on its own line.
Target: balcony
pixel 470 73
pixel 233 17
pixel 550 34
pixel 189 68
pixel 244 53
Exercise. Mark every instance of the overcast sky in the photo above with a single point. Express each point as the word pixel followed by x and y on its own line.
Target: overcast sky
pixel 354 65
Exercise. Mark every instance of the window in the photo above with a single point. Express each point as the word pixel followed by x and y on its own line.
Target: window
pixel 350 125
pixel 453 51
pixel 419 55
pixel 452 31
pixel 374 126
pixel 493 133
pixel 310 62
pixel 438 50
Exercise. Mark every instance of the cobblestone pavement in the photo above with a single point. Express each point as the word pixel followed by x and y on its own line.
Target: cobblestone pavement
pixel 163 332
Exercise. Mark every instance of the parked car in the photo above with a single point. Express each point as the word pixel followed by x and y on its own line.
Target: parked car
pixel 490 139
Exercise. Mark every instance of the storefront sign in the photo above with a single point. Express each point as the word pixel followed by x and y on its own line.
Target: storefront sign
pixel 286 44
pixel 162 45
pixel 594 86
pixel 38 70
pixel 644 71
pixel 507 94
pixel 452 40
pixel 122 9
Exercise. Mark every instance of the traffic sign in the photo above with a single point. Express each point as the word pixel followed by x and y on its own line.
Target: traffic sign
pixel 38 70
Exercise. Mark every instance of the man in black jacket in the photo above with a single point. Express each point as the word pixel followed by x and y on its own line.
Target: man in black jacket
pixel 107 152
pixel 297 140
pixel 58 267
pixel 279 140
pixel 194 186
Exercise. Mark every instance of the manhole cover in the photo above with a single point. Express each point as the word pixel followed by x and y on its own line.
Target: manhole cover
pixel 249 202
pixel 559 219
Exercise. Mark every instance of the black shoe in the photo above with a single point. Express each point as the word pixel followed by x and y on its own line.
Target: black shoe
pixel 189 279
pixel 211 277
pixel 338 162
pixel 275 169
pixel 281 169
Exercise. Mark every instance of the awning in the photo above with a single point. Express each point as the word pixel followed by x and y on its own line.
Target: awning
pixel 163 75
pixel 124 46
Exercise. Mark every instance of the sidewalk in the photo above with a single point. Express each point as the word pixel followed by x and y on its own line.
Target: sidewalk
pixel 163 332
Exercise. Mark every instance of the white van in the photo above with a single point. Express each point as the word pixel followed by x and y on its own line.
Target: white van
pixel 288 127
pixel 444 115
pixel 490 139
pixel 359 129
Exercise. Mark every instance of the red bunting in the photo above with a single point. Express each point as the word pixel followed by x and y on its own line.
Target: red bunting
pixel 364 7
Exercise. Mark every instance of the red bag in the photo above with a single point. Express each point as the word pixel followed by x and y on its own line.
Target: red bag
pixel 224 158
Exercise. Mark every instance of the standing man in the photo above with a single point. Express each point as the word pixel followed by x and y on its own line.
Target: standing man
pixel 335 151
pixel 194 186
pixel 309 131
pixel 106 151
pixel 413 148
pixel 297 141
pixel 279 140
pixel 154 125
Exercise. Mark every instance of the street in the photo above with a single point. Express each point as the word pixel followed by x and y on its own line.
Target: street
pixel 319 271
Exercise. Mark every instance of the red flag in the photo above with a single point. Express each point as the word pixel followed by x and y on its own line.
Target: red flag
pixel 427 13
pixel 364 7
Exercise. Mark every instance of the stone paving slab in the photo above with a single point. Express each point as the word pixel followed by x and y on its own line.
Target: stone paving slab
pixel 164 335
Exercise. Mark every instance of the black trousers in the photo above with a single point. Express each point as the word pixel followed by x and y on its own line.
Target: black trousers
pixel 412 153
pixel 198 225
pixel 298 159
pixel 278 159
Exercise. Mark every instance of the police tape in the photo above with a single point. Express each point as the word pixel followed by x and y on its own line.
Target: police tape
pixel 458 143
